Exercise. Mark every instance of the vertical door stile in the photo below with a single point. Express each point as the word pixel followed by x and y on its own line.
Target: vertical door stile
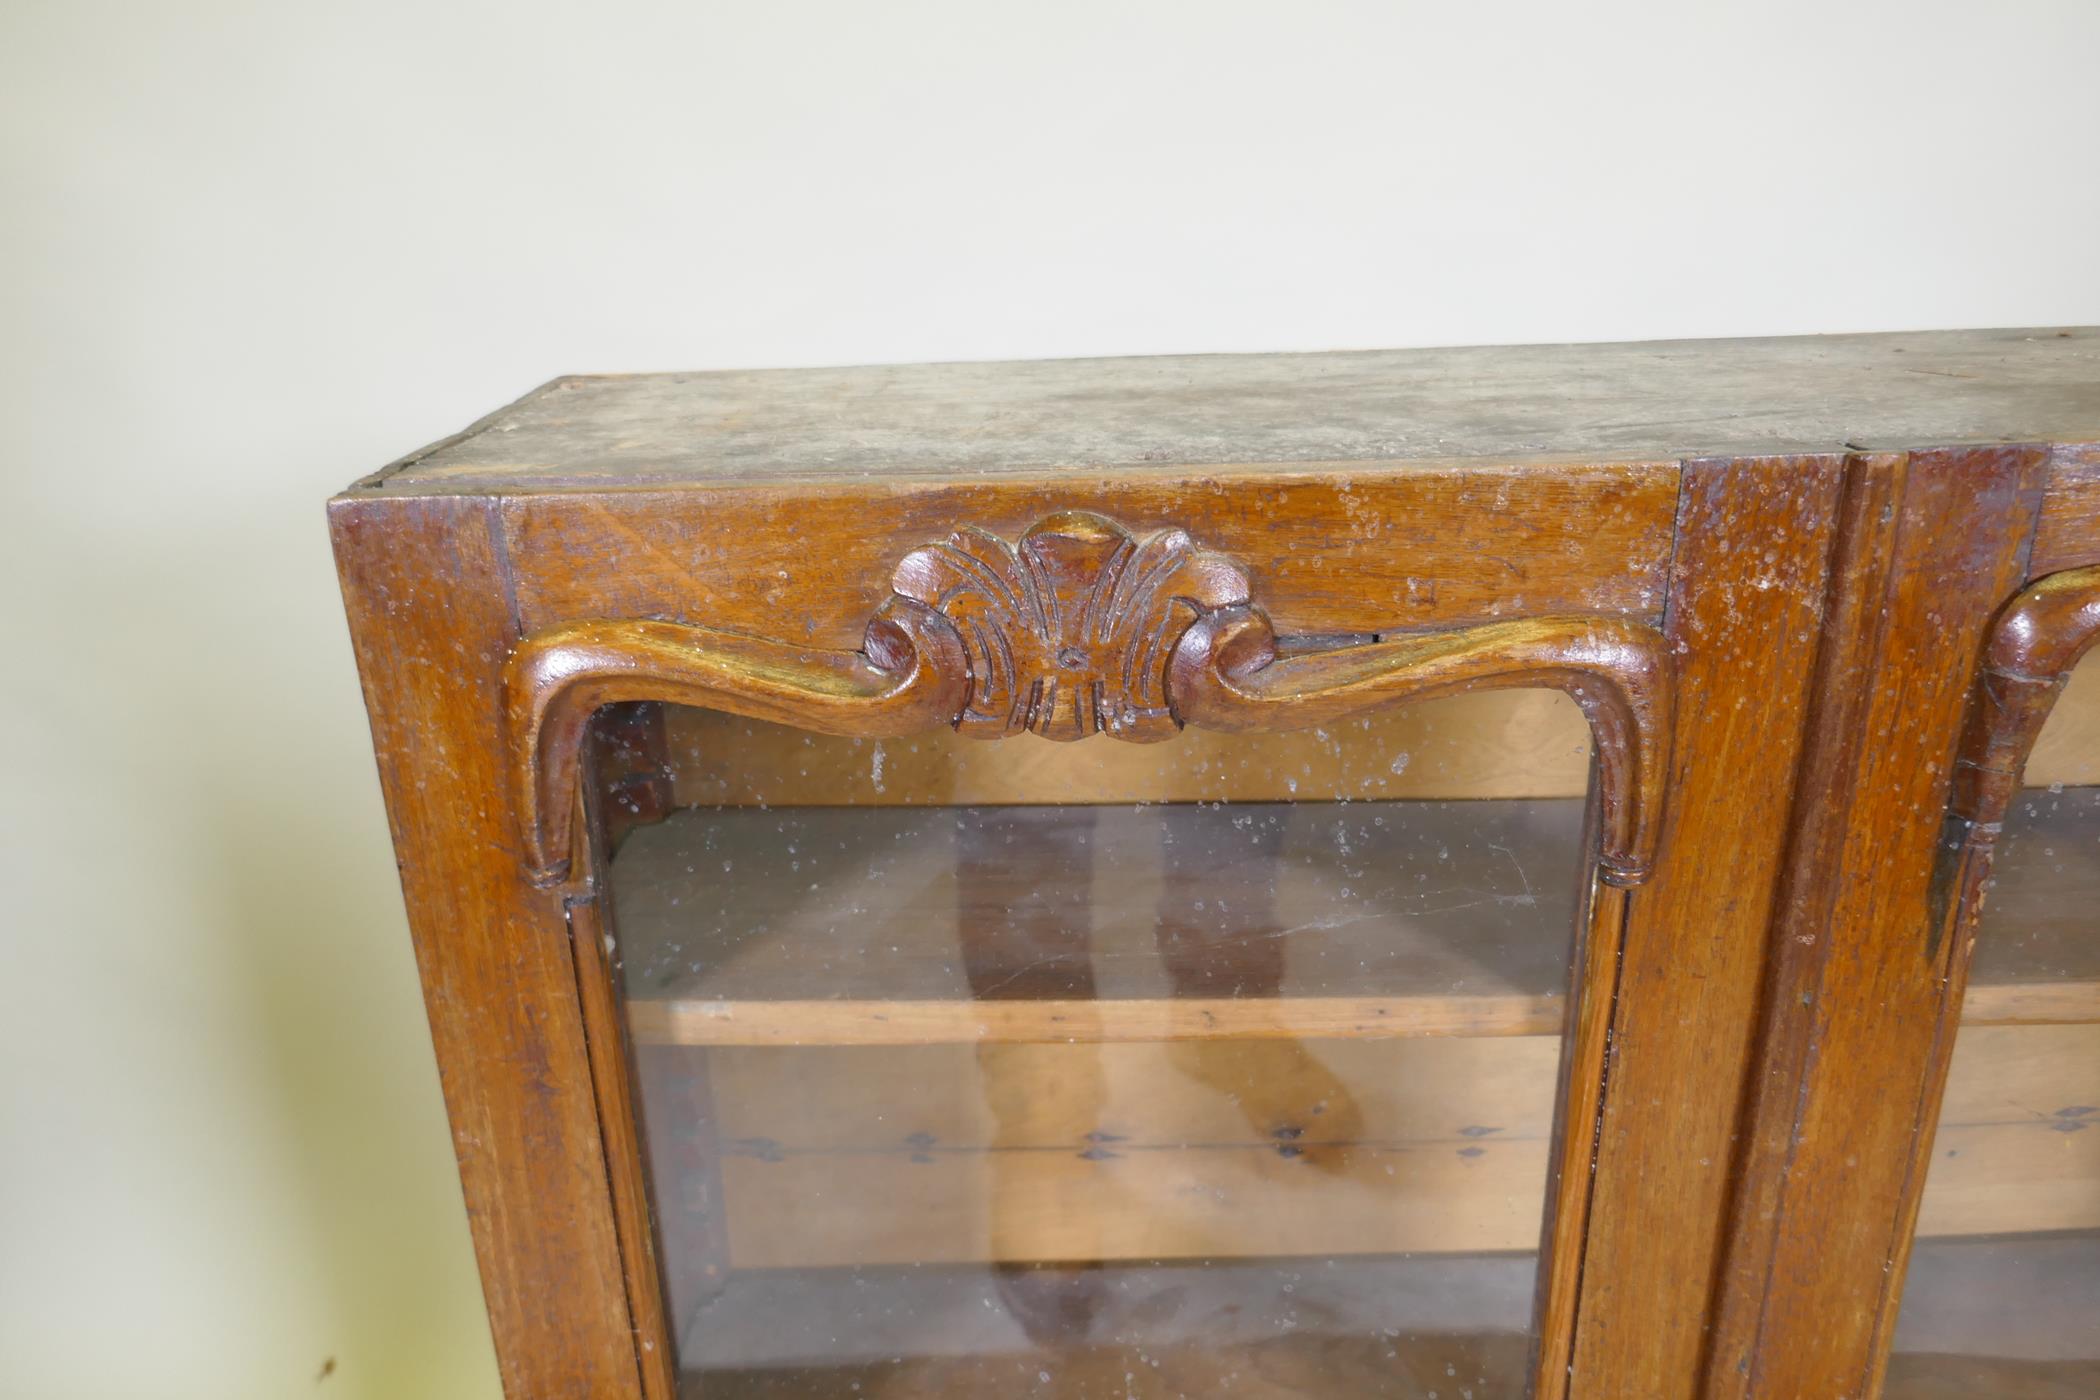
pixel 1856 1004
pixel 1747 588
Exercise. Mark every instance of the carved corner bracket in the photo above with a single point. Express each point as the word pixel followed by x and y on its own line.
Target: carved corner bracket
pixel 2028 655
pixel 2033 644
pixel 1080 628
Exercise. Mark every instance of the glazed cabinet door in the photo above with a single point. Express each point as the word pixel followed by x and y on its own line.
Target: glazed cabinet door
pixel 1919 1212
pixel 2002 1289
pixel 2002 1295
pixel 1142 937
pixel 1250 1057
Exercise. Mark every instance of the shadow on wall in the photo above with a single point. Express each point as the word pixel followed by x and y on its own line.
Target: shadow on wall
pixel 239 1156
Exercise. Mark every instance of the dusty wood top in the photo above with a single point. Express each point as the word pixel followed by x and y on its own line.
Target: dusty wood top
pixel 1644 401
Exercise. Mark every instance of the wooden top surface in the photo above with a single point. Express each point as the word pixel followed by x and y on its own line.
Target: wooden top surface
pixel 1633 402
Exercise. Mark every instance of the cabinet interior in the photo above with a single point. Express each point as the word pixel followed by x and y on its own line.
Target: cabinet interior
pixel 876 1085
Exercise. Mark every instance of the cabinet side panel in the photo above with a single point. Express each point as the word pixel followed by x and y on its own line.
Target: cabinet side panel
pixel 1858 995
pixel 1747 589
pixel 430 619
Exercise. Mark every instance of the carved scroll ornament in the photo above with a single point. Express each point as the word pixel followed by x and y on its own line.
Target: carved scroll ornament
pixel 1081 628
pixel 2028 656
pixel 1068 632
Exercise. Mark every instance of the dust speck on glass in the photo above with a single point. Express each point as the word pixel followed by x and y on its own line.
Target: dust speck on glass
pixel 1223 1066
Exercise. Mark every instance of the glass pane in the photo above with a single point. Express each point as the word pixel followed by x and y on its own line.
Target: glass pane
pixel 1213 1067
pixel 2003 1295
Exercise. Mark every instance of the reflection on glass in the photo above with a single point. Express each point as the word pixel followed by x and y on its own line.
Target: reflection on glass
pixel 1210 1068
pixel 2003 1292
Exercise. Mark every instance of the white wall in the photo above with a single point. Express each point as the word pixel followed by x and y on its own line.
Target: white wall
pixel 249 251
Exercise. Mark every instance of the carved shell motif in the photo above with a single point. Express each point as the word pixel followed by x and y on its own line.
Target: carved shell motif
pixel 1069 633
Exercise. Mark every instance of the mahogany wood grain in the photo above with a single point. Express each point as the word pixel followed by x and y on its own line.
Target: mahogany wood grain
pixel 1801 540
pixel 1081 628
pixel 1748 581
pixel 1858 995
pixel 498 976
pixel 909 676
pixel 1226 675
pixel 1362 550
pixel 2028 654
pixel 2068 534
pixel 1836 738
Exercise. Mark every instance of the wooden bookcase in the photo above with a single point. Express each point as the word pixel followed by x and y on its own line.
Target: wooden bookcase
pixel 1524 945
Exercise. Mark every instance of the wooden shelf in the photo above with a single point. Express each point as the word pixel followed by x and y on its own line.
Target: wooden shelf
pixel 925 925
pixel 1212 1327
pixel 1344 1043
pixel 908 926
pixel 860 1022
pixel 1195 1149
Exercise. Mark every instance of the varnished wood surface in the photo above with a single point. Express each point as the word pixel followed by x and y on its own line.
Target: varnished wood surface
pixel 1605 402
pixel 2068 534
pixel 1227 674
pixel 1363 552
pixel 1857 1019
pixel 1084 629
pixel 1367 496
pixel 1747 589
pixel 1067 631
pixel 498 977
pixel 910 676
pixel 1835 743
